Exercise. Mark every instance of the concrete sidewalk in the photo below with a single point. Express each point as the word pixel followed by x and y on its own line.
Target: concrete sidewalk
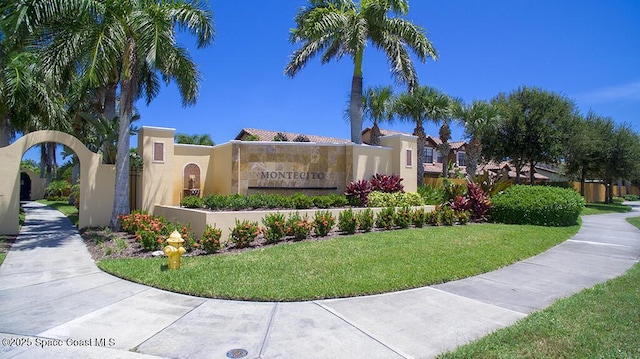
pixel 54 302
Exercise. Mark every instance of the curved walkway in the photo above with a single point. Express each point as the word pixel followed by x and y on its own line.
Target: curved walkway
pixel 54 302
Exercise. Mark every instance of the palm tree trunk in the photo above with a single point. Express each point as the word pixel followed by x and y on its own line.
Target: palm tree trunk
pixel 355 109
pixel 473 156
pixel 375 134
pixel 5 132
pixel 422 140
pixel 127 94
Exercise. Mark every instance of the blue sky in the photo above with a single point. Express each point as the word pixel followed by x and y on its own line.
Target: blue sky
pixel 585 49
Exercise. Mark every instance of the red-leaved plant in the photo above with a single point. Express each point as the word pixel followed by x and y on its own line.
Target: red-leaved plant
pixel 386 183
pixel 480 203
pixel 358 192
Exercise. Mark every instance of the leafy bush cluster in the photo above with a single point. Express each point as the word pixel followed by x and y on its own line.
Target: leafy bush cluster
pixel 397 199
pixel 238 202
pixel 468 202
pixel 381 191
pixel 631 197
pixel 537 205
pixel 152 231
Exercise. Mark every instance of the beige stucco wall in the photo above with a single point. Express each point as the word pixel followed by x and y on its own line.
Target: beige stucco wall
pixel 185 155
pixel 97 181
pixel 369 160
pixel 221 172
pixel 157 175
pixel 407 171
pixel 247 167
pixel 38 185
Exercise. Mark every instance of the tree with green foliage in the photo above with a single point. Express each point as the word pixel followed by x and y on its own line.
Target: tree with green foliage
pixel 201 140
pixel 475 118
pixel 128 45
pixel 622 159
pixel 587 147
pixel 534 127
pixel 422 104
pixel 378 107
pixel 341 27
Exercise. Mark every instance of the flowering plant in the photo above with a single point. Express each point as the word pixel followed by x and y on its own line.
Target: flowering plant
pixel 323 223
pixel 275 227
pixel 244 233
pixel 210 240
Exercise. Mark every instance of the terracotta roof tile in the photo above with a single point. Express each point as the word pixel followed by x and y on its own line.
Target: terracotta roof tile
pixel 267 135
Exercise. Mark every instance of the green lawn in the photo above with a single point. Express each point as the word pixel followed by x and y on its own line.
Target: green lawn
pixel 602 208
pixel 601 322
pixel 347 265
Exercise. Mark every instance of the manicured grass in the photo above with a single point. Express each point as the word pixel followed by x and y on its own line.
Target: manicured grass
pixel 64 207
pixel 347 265
pixel 635 221
pixel 601 322
pixel 602 208
pixel 2 255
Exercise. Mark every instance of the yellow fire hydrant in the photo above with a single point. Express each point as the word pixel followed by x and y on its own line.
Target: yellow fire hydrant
pixel 174 250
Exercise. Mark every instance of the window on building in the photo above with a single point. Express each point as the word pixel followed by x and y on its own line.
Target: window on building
pixel 438 157
pixel 428 155
pixel 462 159
pixel 409 158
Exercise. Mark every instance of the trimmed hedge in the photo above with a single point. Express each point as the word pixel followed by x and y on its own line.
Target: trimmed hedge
pixel 537 205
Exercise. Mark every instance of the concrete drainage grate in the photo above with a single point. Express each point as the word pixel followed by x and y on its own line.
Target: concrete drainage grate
pixel 237 353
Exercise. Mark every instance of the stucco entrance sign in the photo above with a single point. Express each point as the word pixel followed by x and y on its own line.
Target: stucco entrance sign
pixel 97 181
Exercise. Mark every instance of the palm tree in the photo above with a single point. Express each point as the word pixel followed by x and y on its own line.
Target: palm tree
pixel 422 104
pixel 202 140
pixel 342 27
pixel 378 107
pixel 475 118
pixel 124 44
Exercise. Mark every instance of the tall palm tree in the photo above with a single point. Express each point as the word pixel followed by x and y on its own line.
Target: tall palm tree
pixel 422 104
pixel 342 27
pixel 378 107
pixel 127 44
pixel 475 118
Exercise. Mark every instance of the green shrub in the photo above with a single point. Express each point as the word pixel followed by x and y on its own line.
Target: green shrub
pixel 298 226
pixel 386 218
pixel 382 199
pixel 338 200
pixel 149 241
pixel 301 201
pixel 418 217
pixel 192 202
pixel 403 217
pixel 537 205
pixel 244 233
pixel 322 201
pixel 323 223
pixel 216 202
pixel 275 227
pixel 237 202
pixel 365 220
pixel 430 195
pixel 57 189
pixel 443 215
pixel 463 217
pixel 347 222
pixel 185 231
pixel 631 197
pixel 210 239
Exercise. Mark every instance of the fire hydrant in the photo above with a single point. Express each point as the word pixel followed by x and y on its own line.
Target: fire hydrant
pixel 174 250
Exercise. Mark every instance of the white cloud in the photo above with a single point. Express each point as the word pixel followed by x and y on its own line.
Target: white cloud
pixel 625 92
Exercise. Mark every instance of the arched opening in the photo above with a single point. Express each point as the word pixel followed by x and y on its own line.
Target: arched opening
pixel 25 187
pixel 191 180
pixel 97 181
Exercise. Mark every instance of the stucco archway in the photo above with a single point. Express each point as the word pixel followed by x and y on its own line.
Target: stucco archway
pixel 97 181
